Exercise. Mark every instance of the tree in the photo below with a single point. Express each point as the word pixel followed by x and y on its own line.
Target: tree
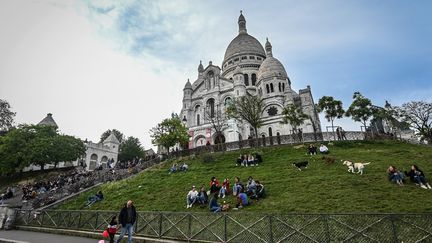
pixel 6 116
pixel 169 132
pixel 332 109
pixel 247 108
pixel 131 148
pixel 14 150
pixel 218 122
pixel 119 135
pixel 361 109
pixel 293 115
pixel 418 114
pixel 65 148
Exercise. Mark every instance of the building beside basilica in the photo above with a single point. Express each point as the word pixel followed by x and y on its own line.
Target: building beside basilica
pixel 247 69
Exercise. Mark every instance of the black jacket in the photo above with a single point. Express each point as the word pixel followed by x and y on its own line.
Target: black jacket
pixel 123 216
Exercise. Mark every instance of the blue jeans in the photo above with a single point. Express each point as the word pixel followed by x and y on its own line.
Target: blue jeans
pixel 190 200
pixel 222 192
pixel 129 229
pixel 236 189
pixel 215 209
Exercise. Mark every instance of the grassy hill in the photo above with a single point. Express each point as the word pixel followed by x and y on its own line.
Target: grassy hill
pixel 320 188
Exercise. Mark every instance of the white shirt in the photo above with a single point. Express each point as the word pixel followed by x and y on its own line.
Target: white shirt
pixel 323 148
pixel 192 194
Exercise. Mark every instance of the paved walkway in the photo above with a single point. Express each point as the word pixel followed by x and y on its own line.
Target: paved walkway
pixel 36 237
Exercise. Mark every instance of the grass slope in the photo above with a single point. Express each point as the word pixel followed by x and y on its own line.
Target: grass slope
pixel 320 188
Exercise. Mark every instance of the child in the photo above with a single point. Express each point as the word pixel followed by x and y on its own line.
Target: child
pixel 112 228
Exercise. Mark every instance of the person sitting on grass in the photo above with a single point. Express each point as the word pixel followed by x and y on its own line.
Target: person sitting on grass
pixel 213 205
pixel 173 168
pixel 239 160
pixel 251 187
pixel 95 198
pixel 202 196
pixel 323 149
pixel 258 159
pixel 238 186
pixel 251 160
pixel 225 188
pixel 214 185
pixel 418 177
pixel 191 197
pixel 260 191
pixel 242 200
pixel 184 167
pixel 245 160
pixel 312 150
pixel 395 175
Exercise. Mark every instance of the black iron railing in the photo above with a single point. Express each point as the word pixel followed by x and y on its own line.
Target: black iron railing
pixel 248 227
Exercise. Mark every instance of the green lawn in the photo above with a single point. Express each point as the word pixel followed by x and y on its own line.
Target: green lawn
pixel 319 189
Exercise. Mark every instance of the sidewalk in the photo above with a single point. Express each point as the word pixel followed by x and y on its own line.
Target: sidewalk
pixel 19 236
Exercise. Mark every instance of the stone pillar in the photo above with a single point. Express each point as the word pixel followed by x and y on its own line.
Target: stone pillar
pixel 7 216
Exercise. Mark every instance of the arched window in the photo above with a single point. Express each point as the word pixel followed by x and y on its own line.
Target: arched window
pixel 228 101
pixel 253 78
pixel 280 87
pixel 198 120
pixel 210 107
pixel 271 87
pixel 267 87
pixel 283 87
pixel 246 79
pixel 270 132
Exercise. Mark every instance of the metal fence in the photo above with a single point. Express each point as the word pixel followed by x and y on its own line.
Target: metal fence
pixel 247 226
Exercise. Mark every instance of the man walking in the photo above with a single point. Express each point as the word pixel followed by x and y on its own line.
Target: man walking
pixel 127 219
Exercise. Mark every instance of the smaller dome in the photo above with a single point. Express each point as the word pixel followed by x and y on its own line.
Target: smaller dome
pixel 188 85
pixel 271 67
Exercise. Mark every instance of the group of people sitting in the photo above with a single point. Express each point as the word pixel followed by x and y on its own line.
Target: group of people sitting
pixel 174 168
pixel 312 149
pixel 243 193
pixel 249 160
pixel 415 174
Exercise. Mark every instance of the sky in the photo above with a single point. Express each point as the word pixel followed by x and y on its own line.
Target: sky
pixel 98 65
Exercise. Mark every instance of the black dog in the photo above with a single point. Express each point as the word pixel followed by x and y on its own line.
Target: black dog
pixel 300 165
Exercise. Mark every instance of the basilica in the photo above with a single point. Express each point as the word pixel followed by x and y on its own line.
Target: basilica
pixel 247 69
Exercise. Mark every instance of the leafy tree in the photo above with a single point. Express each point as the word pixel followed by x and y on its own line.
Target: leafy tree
pixel 247 108
pixel 169 132
pixel 6 116
pixel 14 150
pixel 332 109
pixel 418 114
pixel 293 115
pixel 217 120
pixel 119 135
pixel 131 148
pixel 65 148
pixel 361 109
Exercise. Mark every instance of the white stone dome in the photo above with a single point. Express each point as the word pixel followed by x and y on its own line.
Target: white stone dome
pixel 243 43
pixel 271 67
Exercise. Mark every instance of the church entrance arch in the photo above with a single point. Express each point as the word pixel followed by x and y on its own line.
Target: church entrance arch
pixel 200 141
pixel 219 139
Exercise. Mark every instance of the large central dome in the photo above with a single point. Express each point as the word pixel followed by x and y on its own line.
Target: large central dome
pixel 243 43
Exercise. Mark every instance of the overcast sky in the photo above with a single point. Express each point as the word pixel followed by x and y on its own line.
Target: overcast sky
pixel 123 64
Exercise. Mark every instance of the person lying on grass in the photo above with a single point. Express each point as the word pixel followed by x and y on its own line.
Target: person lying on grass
pixel 95 198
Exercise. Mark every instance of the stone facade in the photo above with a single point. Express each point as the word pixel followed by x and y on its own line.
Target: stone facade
pixel 247 69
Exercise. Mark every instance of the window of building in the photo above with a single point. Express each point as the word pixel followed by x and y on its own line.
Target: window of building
pixel 244 57
pixel 211 107
pixel 236 60
pixel 228 101
pixel 253 78
pixel 271 87
pixel 268 89
pixel 246 79
pixel 259 58
pixel 251 57
pixel 230 62
pixel 270 132
pixel 283 87
pixel 272 111
pixel 198 120
pixel 280 87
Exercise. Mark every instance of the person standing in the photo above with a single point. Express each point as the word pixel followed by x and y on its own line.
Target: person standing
pixel 127 219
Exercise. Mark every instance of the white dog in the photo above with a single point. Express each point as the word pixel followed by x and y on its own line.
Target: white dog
pixel 352 167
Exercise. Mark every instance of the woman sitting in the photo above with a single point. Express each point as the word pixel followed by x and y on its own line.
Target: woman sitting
pixel 260 192
pixel 242 200
pixel 394 175
pixel 245 160
pixel 173 168
pixel 238 186
pixel 251 187
pixel 312 150
pixel 225 188
pixel 418 177
pixel 323 149
pixel 251 160
pixel 214 185
pixel 239 160
pixel 202 196
pixel 213 205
